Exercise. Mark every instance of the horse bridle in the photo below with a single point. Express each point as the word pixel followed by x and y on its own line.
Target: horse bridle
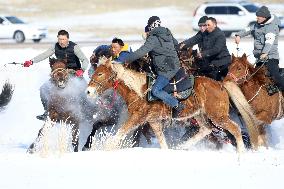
pixel 101 84
pixel 60 70
pixel 242 78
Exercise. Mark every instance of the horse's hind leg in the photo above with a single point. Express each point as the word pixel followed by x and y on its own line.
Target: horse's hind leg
pixel 234 129
pixel 75 137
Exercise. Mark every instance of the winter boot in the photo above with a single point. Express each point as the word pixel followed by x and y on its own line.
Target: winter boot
pixel 178 109
pixel 42 117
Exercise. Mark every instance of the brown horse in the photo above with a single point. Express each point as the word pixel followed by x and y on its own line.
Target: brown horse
pixel 252 82
pixel 210 102
pixel 67 102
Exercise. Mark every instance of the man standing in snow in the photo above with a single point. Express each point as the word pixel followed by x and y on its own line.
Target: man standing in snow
pixel 265 33
pixel 62 49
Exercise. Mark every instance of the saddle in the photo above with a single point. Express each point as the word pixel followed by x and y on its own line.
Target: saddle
pixel 181 84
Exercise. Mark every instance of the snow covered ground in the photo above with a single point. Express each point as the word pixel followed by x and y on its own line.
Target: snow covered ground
pixel 126 168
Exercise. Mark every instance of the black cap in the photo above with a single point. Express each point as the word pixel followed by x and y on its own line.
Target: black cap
pixel 263 12
pixel 202 20
pixel 152 19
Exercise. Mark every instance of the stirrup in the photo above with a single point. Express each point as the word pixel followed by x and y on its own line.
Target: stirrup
pixel 42 117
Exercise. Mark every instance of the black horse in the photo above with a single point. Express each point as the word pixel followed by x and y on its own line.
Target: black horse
pixel 6 94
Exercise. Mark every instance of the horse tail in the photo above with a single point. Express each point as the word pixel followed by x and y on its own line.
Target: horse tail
pixel 245 110
pixel 6 94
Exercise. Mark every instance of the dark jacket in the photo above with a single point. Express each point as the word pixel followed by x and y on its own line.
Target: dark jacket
pixel 213 47
pixel 73 61
pixel 161 46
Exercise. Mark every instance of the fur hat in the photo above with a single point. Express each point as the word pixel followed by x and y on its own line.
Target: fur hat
pixel 202 20
pixel 263 12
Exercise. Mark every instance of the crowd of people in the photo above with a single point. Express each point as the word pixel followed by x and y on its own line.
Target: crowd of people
pixel 213 55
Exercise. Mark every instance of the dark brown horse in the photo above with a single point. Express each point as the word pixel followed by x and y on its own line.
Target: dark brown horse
pixel 6 94
pixel 66 103
pixel 210 102
pixel 252 82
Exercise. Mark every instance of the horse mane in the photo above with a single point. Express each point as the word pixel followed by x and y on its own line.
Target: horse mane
pixel 136 81
pixel 60 63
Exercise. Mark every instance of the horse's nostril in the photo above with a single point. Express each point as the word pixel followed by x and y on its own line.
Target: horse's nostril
pixel 88 92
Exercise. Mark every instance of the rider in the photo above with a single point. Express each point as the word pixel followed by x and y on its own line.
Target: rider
pixel 62 49
pixel 160 44
pixel 265 33
pixel 214 55
pixel 119 51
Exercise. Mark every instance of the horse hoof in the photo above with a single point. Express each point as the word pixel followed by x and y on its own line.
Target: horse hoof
pixel 86 149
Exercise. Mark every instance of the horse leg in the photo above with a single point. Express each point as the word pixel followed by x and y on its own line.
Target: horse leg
pixel 133 121
pixel 75 137
pixel 235 130
pixel 97 126
pixel 262 138
pixel 40 134
pixel 158 130
pixel 203 132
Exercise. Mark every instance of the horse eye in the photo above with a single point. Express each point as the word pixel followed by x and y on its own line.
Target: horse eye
pixel 100 74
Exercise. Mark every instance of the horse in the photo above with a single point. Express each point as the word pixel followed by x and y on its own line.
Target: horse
pixel 210 102
pixel 6 94
pixel 252 82
pixel 66 102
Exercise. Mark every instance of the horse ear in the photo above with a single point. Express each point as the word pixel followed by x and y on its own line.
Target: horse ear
pixel 233 56
pixel 108 63
pixel 51 61
pixel 244 57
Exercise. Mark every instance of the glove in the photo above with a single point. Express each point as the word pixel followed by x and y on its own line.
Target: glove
pixel 79 73
pixel 28 63
pixel 263 56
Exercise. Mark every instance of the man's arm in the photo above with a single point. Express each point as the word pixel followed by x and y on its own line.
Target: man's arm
pixel 193 40
pixel 82 57
pixel 144 49
pixel 49 52
pixel 270 37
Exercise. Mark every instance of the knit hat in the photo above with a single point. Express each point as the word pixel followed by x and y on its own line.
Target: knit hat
pixel 152 19
pixel 202 20
pixel 263 12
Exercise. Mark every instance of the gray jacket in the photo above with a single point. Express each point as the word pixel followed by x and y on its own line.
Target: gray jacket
pixel 265 37
pixel 161 46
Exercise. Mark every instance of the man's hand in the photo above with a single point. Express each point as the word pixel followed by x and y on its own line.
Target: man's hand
pixel 237 39
pixel 28 63
pixel 181 46
pixel 79 73
pixel 263 56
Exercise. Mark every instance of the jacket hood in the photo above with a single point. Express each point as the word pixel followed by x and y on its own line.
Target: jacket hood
pixel 273 20
pixel 163 33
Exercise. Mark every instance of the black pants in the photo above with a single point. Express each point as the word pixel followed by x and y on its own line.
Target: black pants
pixel 272 66
pixel 216 73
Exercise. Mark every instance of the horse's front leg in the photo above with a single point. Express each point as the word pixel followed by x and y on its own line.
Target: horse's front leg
pixel 133 121
pixel 158 130
pixel 47 125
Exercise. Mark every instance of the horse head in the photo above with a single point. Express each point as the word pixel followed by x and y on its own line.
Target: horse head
pixel 59 72
pixel 187 58
pixel 102 79
pixel 94 59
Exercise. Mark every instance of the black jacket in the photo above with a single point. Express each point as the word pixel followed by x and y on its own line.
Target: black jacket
pixel 161 46
pixel 73 61
pixel 213 47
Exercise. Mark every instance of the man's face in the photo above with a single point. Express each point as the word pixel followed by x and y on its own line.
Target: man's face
pixel 116 48
pixel 202 27
pixel 210 25
pixel 260 19
pixel 63 40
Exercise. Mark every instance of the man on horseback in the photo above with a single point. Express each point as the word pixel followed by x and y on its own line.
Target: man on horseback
pixel 161 46
pixel 213 56
pixel 118 50
pixel 63 49
pixel 265 33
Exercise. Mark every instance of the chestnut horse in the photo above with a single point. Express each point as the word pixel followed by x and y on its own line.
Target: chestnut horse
pixel 210 102
pixel 252 82
pixel 67 102
pixel 6 94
